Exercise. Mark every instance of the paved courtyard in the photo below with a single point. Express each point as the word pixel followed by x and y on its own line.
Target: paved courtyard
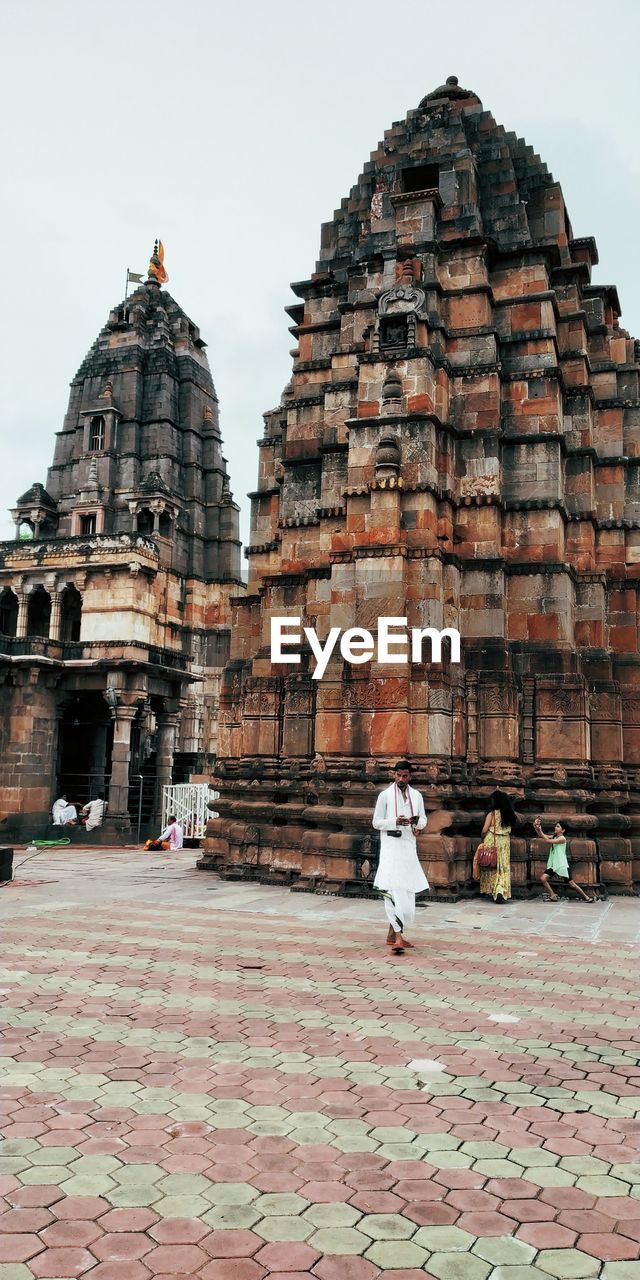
pixel 232 1082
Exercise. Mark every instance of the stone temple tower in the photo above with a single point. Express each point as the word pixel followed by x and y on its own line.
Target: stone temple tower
pixel 114 598
pixel 459 445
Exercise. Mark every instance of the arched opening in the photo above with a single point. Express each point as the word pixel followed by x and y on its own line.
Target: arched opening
pixel 145 521
pixel 8 612
pixel 26 531
pixel 164 525
pixel 39 613
pixel 70 614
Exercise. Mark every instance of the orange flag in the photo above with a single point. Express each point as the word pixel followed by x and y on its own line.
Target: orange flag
pixel 156 264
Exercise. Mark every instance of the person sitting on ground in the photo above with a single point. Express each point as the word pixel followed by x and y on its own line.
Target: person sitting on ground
pixel 64 814
pixel 171 838
pixel 95 813
pixel 557 862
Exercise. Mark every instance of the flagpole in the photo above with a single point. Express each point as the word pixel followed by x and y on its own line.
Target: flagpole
pixel 126 288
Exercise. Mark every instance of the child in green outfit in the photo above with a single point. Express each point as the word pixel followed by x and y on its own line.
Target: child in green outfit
pixel 557 862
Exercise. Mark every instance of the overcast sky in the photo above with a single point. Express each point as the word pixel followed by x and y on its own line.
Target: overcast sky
pixel 232 131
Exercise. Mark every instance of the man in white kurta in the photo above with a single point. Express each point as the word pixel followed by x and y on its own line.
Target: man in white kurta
pixel 64 814
pixel 95 813
pixel 399 813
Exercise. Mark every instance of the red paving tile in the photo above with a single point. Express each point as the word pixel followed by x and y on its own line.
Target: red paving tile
pixel 15 1221
pixel 528 1210
pixel 374 1202
pixel 472 1200
pixel 80 1207
pixel 179 1231
pixel 128 1220
pixel 484 1224
pixel 291 1275
pixel 547 1235
pixel 33 1197
pixel 170 1258
pixel 232 1244
pixel 287 1257
pixel 431 1213
pixel 233 1269
pixel 121 1271
pixel 62 1262
pixel 19 1248
pixel 117 1245
pixel 71 1234
pixel 608 1248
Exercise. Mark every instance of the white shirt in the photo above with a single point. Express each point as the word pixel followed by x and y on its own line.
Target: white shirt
pixel 95 810
pixel 392 804
pixel 63 813
pixel 174 835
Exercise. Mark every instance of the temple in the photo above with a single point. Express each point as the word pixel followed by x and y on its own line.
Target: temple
pixel 459 445
pixel 114 596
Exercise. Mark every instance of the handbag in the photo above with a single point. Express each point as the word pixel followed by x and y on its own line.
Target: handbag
pixel 486 858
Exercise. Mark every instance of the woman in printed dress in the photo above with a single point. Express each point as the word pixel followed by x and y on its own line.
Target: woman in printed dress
pixel 496 832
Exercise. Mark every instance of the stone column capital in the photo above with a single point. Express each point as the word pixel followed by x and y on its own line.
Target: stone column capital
pixel 125 713
pixel 168 719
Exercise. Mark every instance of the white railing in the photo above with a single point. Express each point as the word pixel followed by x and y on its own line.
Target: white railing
pixel 189 801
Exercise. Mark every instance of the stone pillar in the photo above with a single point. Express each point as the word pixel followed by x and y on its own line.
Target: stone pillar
pixel 23 605
pixel 56 615
pixel 120 757
pixel 168 723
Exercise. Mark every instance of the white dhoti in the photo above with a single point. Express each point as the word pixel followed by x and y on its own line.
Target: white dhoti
pixel 399 876
pixel 400 906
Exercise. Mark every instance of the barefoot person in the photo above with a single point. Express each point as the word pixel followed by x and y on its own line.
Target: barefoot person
pixel 557 862
pixel 399 813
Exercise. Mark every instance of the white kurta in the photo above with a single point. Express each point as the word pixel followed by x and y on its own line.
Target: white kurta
pixel 95 811
pixel 63 813
pixel 399 875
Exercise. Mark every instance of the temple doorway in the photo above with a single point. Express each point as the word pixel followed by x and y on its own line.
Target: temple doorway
pixel 84 752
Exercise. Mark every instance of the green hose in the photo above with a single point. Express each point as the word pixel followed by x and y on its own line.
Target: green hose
pixel 50 844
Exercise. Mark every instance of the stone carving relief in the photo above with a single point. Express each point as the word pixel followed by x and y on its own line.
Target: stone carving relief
pixel 405 303
pixel 374 694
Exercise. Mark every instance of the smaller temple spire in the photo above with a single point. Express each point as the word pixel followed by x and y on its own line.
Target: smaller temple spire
pixel 156 272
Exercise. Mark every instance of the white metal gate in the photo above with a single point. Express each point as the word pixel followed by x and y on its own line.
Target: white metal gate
pixel 189 801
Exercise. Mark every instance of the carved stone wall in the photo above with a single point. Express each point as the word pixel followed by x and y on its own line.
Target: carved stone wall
pixel 459 445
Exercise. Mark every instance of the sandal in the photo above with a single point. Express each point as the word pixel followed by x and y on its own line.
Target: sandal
pixel 397 949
